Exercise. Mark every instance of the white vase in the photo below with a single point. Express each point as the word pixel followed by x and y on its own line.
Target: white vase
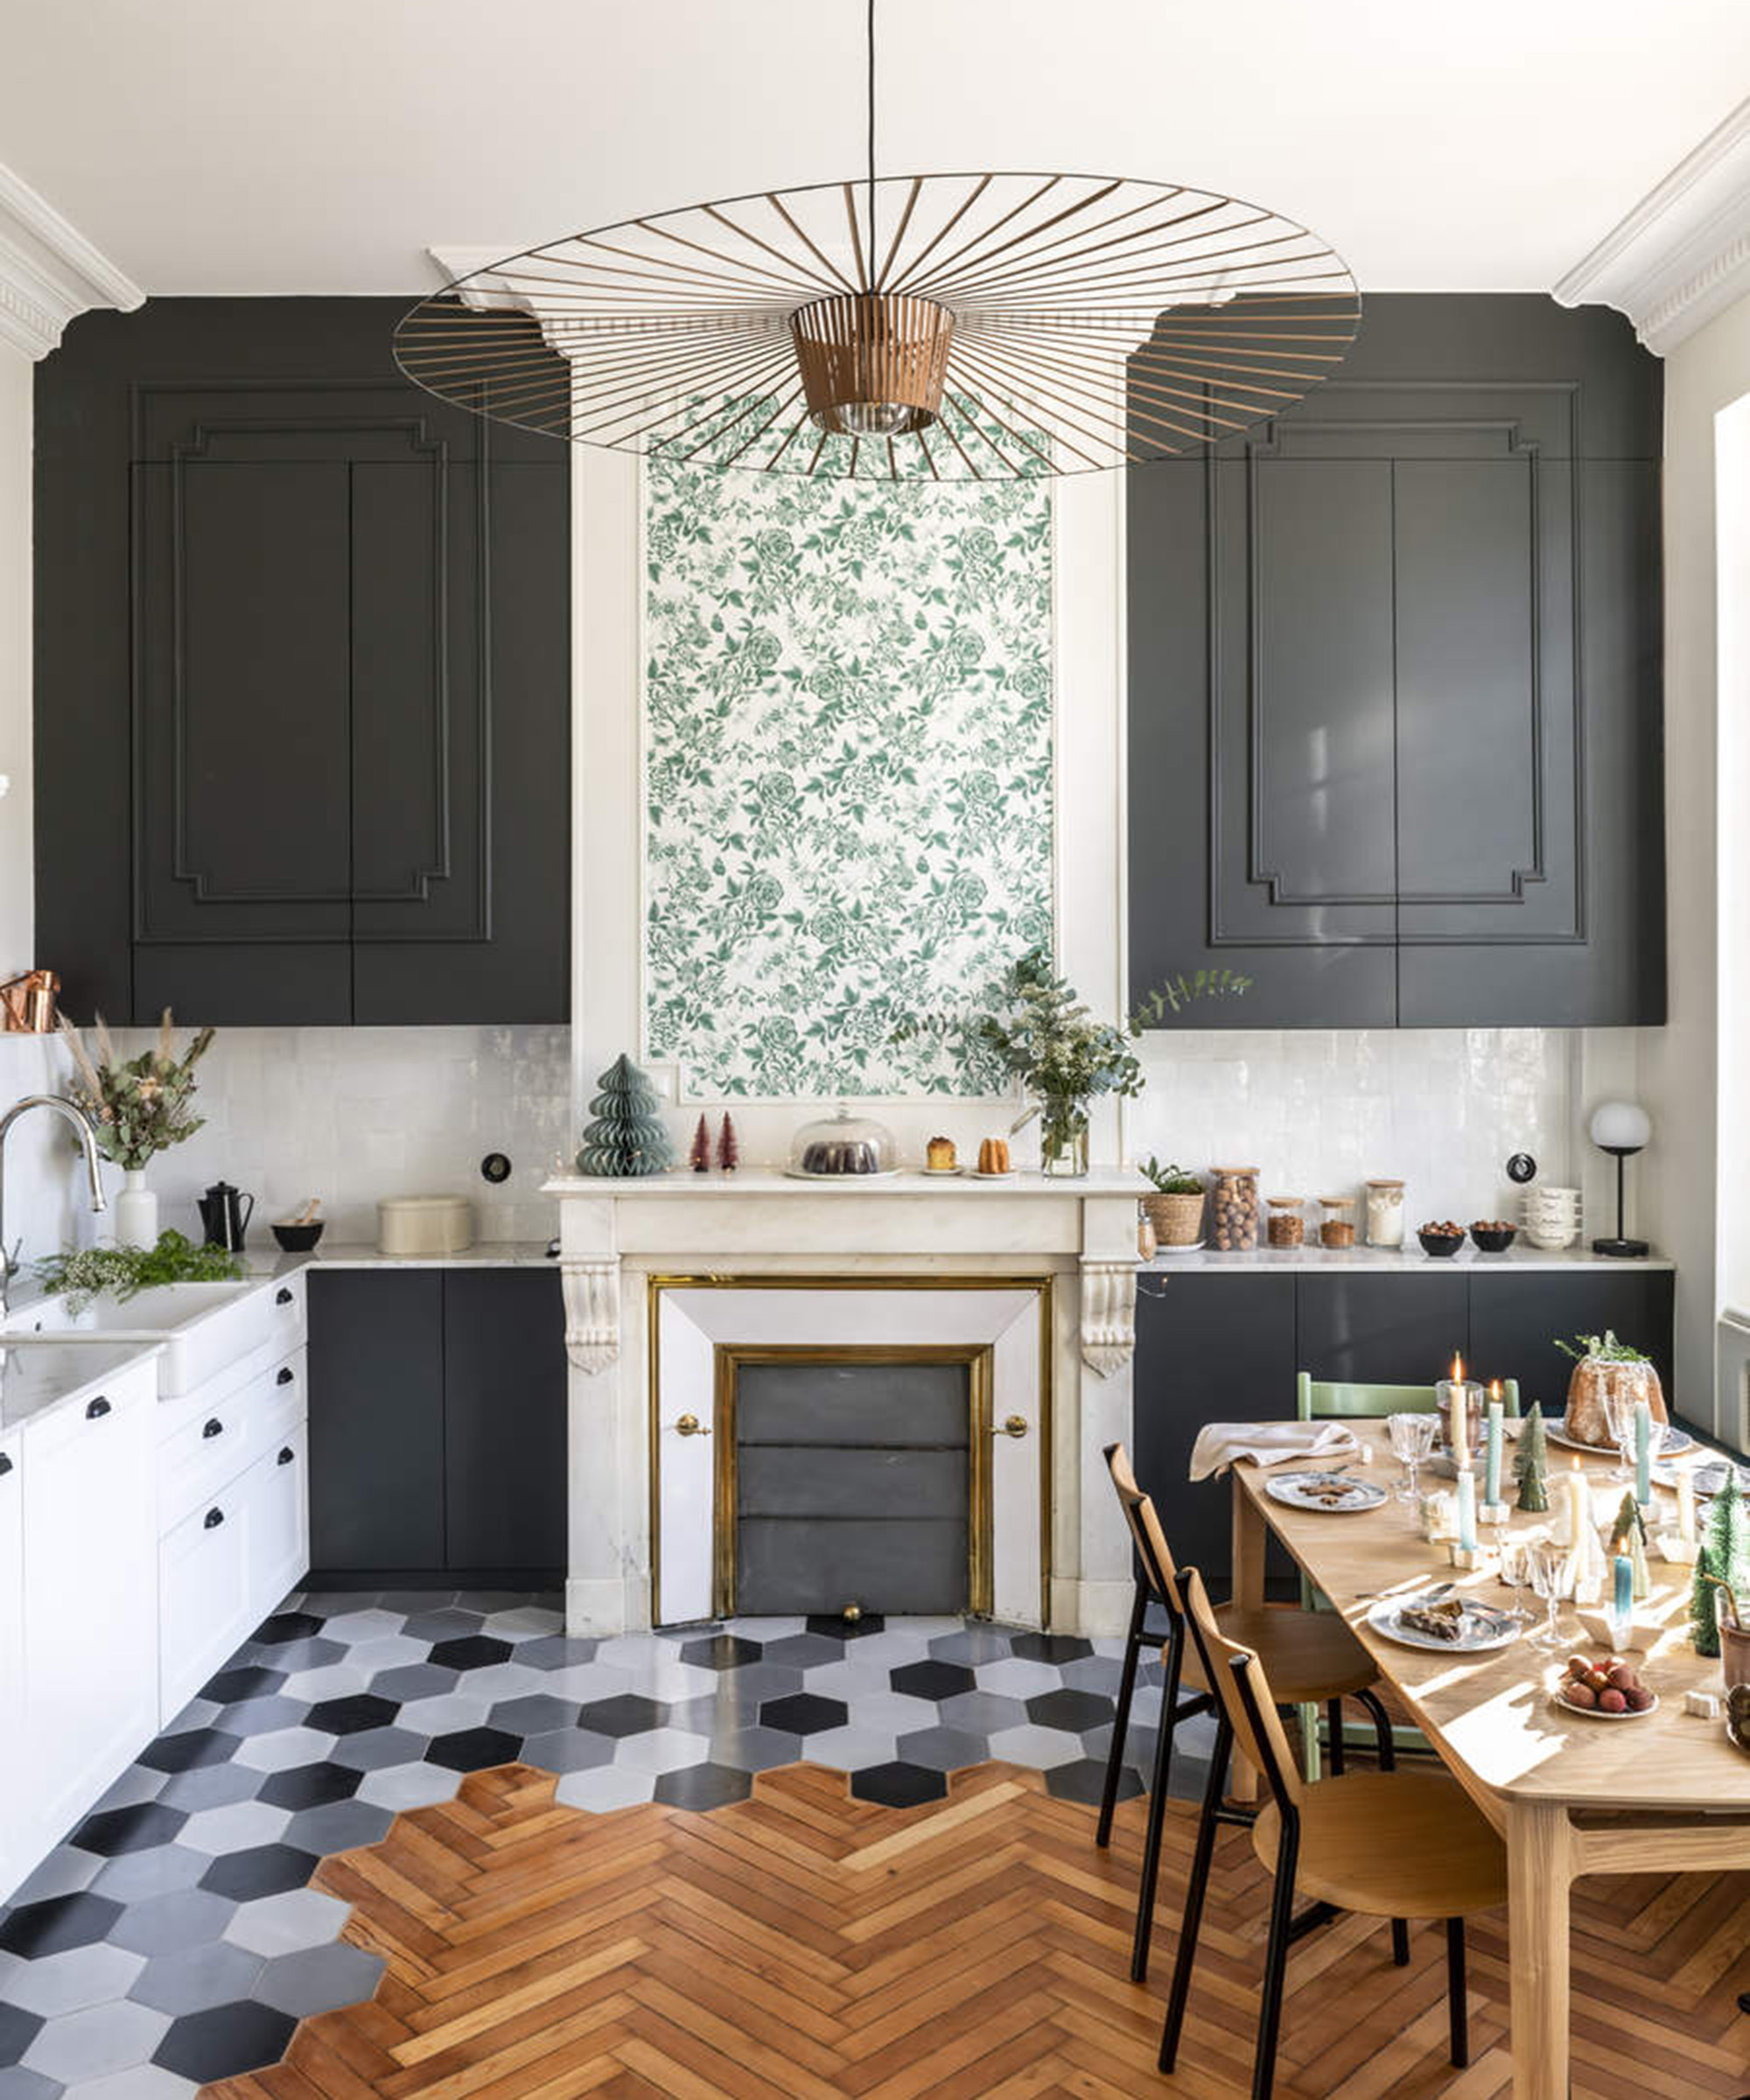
pixel 137 1211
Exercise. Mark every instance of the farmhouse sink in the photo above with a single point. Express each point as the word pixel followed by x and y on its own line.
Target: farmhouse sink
pixel 204 1327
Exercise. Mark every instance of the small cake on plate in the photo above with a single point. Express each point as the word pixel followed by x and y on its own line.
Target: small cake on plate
pixel 939 1155
pixel 993 1156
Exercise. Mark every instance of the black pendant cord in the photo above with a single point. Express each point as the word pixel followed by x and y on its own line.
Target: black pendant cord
pixel 869 272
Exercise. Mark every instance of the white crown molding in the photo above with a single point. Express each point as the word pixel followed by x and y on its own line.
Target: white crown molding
pixel 1683 252
pixel 49 271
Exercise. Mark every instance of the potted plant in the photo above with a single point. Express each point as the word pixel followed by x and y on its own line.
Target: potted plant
pixel 1176 1208
pixel 139 1107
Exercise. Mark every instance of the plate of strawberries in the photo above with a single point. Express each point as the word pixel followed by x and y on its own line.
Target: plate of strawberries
pixel 1608 1689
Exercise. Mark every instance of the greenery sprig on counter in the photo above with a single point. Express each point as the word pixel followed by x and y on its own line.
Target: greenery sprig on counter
pixel 1601 1349
pixel 79 1275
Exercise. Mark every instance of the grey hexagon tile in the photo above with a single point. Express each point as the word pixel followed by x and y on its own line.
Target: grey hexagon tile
pixel 67 1983
pixel 66 1869
pixel 338 1826
pixel 99 2040
pixel 286 1747
pixel 137 1875
pixel 443 1624
pixel 141 2081
pixel 943 1749
pixel 606 1787
pixel 409 1786
pixel 317 1979
pixel 196 1977
pixel 415 1681
pixel 982 1712
pixel 701 1786
pixel 377 1748
pixel 183 1918
pixel 1041 1748
pixel 568 1750
pixel 661 1750
pixel 526 1621
pixel 139 1782
pixel 755 1749
pixel 971 1644
pixel 556 1651
pixel 256 1716
pixel 442 1715
pixel 1014 1679
pixel 360 1625
pixel 850 1748
pixel 302 1917
pixel 532 1714
pixel 213 1786
pixel 235 1826
pixel 1093 1673
pixel 803 1651
pixel 333 1681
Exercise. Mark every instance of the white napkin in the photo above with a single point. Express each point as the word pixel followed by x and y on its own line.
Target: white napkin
pixel 1268 1444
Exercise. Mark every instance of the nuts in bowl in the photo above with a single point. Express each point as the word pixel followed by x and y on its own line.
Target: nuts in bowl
pixel 1493 1236
pixel 1441 1237
pixel 1610 1688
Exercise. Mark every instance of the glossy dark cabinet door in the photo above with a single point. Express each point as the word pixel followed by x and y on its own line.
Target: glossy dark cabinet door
pixel 1405 640
pixel 336 752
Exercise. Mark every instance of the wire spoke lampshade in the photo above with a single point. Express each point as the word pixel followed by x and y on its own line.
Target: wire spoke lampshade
pixel 953 327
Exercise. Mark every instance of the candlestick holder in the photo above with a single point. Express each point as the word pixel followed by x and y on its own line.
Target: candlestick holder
pixel 1446 1391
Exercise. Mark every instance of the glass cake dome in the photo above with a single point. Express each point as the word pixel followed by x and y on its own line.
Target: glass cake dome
pixel 830 1147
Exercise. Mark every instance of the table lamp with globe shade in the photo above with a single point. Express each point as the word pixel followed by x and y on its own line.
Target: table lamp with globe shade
pixel 1620 1127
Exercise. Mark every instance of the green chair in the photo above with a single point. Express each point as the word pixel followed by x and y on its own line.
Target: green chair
pixel 1318 1400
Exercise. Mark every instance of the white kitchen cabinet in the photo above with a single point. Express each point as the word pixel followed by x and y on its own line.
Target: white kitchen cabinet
pixel 90 1594
pixel 13 1772
pixel 277 1489
pixel 206 1606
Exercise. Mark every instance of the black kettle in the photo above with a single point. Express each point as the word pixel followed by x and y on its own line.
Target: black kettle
pixel 226 1212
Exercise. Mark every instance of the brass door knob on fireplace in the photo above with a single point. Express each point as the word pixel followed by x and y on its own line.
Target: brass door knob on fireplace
pixel 689 1426
pixel 1015 1425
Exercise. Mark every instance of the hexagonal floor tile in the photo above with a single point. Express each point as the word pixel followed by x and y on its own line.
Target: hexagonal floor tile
pixel 284 1748
pixel 835 1628
pixel 1085 1781
pixel 262 1870
pixel 803 1651
pixel 99 2040
pixel 183 1918
pixel 74 1978
pixel 661 1750
pixel 472 1651
pixel 932 1679
pixel 415 1681
pixel 555 1651
pixel 315 1979
pixel 1051 1648
pixel 225 2041
pixel 603 1790
pixel 286 1627
pixel 380 1747
pixel 195 1977
pixel 1077 1712
pixel 137 1875
pixel 337 1827
pixel 352 1714
pixel 18 2029
pixel 942 1749
pixel 62 1872
pixel 1014 1678
pixel 248 1681
pixel 195 1747
pixel 533 1714
pixel 239 1823
pixel 754 1749
pixel 568 1750
pixel 803 1713
pixel 112 1831
pixel 303 1917
pixel 58 1922
pixel 444 1714
pixel 1041 1748
pixel 310 1786
pixel 626 1713
pixel 983 1714
pixel 971 1644
pixel 472 1749
pixel 707 1786
pixel 721 1651
pixel 898 1785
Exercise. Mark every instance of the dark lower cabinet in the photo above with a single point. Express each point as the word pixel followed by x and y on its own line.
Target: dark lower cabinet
pixel 1210 1348
pixel 437 1439
pixel 1225 1345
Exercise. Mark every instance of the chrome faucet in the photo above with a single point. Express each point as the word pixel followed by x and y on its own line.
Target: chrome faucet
pixel 83 1129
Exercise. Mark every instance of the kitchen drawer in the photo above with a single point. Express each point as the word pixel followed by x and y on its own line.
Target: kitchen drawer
pixel 213 1444
pixel 277 1489
pixel 205 1605
pixel 287 1313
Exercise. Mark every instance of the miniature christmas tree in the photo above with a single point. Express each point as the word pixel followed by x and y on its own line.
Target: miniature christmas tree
pixel 699 1158
pixel 626 1135
pixel 1629 1534
pixel 1722 1562
pixel 728 1151
pixel 1531 1463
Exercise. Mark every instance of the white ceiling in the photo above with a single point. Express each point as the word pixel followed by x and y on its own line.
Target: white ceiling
pixel 322 145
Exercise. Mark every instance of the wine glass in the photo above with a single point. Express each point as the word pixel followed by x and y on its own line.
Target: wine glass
pixel 1547 1564
pixel 1619 1416
pixel 1413 1438
pixel 1516 1569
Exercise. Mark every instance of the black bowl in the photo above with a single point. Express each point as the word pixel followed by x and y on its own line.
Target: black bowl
pixel 1441 1242
pixel 299 1239
pixel 1493 1241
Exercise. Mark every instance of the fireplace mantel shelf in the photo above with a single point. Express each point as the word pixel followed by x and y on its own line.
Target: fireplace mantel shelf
pixel 772 1182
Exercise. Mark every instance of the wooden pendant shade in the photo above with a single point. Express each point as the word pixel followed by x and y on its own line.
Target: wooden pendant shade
pixel 873 365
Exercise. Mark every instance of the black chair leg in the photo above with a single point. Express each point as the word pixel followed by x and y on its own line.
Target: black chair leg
pixel 1333 1729
pixel 1400 1942
pixel 1381 1731
pixel 1194 1891
pixel 1156 1815
pixel 1458 2012
pixel 1121 1720
pixel 1274 1966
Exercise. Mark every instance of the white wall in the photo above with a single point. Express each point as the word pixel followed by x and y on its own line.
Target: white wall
pixel 1680 1074
pixel 1732 471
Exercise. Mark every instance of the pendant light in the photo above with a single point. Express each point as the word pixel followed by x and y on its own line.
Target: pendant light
pixel 975 326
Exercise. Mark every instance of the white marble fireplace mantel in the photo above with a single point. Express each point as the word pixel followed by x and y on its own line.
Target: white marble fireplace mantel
pixel 620 1240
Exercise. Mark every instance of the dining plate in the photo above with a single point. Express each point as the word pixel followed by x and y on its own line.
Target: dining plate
pixel 977 1174
pixel 940 1173
pixel 1481 1629
pixel 1334 1493
pixel 1594 1713
pixel 1674 1440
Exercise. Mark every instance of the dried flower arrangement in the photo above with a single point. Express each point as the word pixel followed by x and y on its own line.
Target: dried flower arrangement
pixel 138 1106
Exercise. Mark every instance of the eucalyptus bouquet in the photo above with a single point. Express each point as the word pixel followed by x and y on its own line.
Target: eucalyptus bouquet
pixel 138 1106
pixel 1043 1035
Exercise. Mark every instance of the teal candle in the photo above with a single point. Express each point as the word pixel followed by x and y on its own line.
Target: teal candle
pixel 1643 1451
pixel 1623 1600
pixel 1492 1464
pixel 1468 1511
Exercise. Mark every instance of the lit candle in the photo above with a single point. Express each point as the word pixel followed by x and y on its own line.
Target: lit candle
pixel 1491 1475
pixel 1468 1511
pixel 1686 1507
pixel 1580 1507
pixel 1643 1451
pixel 1622 1601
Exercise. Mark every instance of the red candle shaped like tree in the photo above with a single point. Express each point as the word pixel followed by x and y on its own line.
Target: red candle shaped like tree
pixel 699 1154
pixel 728 1150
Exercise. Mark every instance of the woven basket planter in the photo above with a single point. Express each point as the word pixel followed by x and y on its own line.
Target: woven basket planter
pixel 1177 1220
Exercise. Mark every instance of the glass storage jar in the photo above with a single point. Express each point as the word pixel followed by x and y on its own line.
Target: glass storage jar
pixel 1337 1227
pixel 832 1146
pixel 1234 1208
pixel 1284 1224
pixel 1385 1214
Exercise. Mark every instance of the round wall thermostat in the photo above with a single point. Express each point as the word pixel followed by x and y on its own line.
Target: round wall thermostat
pixel 1522 1167
pixel 495 1167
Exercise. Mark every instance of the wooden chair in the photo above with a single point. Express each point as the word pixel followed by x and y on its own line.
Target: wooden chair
pixel 1319 1400
pixel 1384 1844
pixel 1310 1657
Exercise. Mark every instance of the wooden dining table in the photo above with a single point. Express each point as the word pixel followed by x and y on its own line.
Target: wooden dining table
pixel 1570 1794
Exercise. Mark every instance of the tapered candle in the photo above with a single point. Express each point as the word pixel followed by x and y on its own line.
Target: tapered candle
pixel 1623 1598
pixel 1580 1506
pixel 1460 1429
pixel 1686 1507
pixel 1467 1510
pixel 1492 1473
pixel 1643 1451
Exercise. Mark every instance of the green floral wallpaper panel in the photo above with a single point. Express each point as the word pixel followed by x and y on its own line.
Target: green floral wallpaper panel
pixel 848 772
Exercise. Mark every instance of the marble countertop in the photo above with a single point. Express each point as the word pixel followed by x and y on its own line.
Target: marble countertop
pixel 359 1254
pixel 744 1181
pixel 1518 1259
pixel 39 1377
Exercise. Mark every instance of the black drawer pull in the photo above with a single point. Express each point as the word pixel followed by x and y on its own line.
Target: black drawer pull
pixel 213 1519
pixel 287 1454
pixel 214 1428
pixel 282 1297
pixel 5 1465
pixel 95 1409
pixel 286 1375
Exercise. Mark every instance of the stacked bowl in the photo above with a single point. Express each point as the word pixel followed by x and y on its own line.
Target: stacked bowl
pixel 1553 1217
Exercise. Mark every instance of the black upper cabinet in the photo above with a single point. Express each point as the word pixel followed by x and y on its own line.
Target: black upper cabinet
pixel 304 652
pixel 1407 638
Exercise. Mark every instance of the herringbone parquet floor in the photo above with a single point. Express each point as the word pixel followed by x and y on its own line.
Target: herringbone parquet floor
pixel 806 1945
